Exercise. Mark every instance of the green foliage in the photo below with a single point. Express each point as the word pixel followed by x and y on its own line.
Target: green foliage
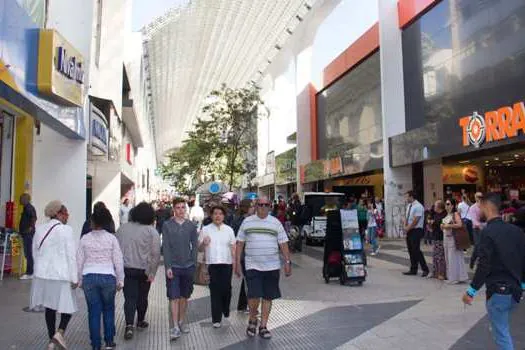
pixel 221 146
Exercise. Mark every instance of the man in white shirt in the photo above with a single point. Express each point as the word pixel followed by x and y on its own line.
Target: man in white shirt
pixel 414 219
pixel 262 235
pixel 464 207
pixel 124 212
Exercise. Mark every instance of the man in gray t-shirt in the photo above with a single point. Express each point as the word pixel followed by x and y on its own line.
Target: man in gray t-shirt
pixel 414 220
pixel 179 246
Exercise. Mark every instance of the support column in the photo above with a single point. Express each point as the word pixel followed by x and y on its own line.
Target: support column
pixel 433 178
pixel 397 180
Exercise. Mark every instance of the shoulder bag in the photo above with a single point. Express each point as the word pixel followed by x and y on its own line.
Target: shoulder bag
pixel 47 234
pixel 461 237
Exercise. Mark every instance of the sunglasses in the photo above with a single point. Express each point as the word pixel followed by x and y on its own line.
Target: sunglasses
pixel 266 205
pixel 448 204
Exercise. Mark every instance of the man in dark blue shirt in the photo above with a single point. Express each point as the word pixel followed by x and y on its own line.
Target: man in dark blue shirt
pixel 501 268
pixel 26 229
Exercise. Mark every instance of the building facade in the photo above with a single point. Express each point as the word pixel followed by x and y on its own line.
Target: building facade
pixel 428 97
pixel 44 79
pixel 69 127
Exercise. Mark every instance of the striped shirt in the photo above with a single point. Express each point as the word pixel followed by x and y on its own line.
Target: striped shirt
pixel 262 238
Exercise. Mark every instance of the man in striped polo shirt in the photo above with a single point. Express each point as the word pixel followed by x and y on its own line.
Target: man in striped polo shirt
pixel 261 236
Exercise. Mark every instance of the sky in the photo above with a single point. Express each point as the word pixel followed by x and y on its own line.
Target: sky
pixel 144 11
pixel 349 20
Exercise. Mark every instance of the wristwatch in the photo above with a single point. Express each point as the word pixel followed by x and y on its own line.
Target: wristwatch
pixel 288 262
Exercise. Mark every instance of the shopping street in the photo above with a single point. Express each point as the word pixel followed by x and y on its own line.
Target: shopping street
pixel 390 311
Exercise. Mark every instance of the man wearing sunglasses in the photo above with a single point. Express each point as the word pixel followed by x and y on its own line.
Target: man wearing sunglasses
pixel 261 236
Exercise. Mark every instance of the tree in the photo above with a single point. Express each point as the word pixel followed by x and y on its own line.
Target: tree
pixel 235 112
pixel 221 145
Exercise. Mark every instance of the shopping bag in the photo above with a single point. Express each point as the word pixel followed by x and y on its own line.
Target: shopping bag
pixel 461 238
pixel 202 276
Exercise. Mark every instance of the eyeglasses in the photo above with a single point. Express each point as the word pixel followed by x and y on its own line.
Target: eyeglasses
pixel 263 205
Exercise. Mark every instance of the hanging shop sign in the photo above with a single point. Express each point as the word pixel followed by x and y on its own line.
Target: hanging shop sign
pixel 61 69
pixel 286 170
pixel 99 134
pixel 270 162
pixel 503 123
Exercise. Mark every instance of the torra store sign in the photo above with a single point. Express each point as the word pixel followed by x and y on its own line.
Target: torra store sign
pixel 60 69
pixel 503 123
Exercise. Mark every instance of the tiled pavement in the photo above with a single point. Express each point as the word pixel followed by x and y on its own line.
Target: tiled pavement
pixel 389 311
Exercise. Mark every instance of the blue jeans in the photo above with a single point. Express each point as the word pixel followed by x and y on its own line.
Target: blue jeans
pixel 372 237
pixel 100 293
pixel 499 307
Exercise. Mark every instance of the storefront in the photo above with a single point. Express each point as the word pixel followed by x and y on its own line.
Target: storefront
pixel 349 133
pixel 464 69
pixel 42 83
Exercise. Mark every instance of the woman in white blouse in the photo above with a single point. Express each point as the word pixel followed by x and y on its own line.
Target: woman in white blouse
pixel 55 274
pixel 218 241
pixel 101 270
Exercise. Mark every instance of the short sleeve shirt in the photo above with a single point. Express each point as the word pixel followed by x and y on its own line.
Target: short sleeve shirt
pixel 219 251
pixel 262 238
pixel 415 209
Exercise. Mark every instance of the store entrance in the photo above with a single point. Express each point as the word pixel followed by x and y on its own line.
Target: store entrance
pixel 355 191
pixel 6 160
pixel 496 170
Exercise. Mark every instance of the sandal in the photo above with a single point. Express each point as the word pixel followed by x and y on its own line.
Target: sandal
pixel 264 333
pixel 251 331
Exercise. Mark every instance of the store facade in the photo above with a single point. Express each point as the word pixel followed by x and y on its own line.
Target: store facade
pixel 464 69
pixel 348 142
pixel 43 81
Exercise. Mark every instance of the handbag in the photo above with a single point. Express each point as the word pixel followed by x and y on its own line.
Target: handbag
pixel 47 234
pixel 202 276
pixel 461 237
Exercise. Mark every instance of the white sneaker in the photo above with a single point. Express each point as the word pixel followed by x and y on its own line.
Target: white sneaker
pixel 373 254
pixel 217 325
pixel 26 277
pixel 59 339
pixel 175 333
pixel 184 328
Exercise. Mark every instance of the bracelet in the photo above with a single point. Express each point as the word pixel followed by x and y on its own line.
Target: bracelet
pixel 471 292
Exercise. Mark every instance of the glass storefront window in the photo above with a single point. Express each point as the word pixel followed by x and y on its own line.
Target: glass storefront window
pixel 463 56
pixel 349 118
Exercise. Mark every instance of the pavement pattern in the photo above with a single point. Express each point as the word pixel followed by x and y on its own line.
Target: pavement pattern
pixel 390 311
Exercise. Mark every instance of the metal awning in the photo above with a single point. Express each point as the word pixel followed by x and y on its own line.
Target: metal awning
pixel 195 48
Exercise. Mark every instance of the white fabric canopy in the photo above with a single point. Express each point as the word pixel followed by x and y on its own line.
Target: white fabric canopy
pixel 195 48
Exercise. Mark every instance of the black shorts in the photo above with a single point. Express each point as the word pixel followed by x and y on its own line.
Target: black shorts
pixel 263 284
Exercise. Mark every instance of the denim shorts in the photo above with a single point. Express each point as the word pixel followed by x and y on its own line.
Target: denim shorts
pixel 181 285
pixel 263 284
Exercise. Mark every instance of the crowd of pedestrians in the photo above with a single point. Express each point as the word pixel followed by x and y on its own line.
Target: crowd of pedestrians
pixel 105 262
pixel 496 231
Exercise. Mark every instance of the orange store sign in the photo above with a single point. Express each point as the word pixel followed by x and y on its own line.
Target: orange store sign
pixel 503 123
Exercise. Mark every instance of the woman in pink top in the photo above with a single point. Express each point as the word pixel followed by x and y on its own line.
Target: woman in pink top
pixel 101 270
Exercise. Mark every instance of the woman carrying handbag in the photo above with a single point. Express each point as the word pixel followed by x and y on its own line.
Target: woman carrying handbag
pixel 454 256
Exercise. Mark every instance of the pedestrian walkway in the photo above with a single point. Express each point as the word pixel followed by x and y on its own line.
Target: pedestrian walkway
pixel 389 311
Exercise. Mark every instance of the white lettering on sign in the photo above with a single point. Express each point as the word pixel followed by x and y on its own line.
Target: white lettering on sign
pixel 99 131
pixel 71 67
